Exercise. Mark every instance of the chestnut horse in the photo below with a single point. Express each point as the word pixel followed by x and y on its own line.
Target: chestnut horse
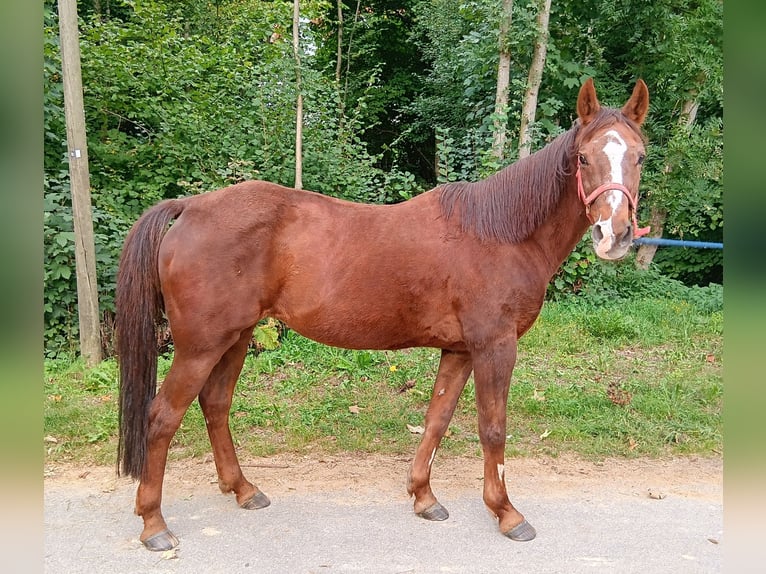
pixel 462 268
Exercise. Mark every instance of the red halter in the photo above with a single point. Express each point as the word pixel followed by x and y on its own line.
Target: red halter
pixel 587 201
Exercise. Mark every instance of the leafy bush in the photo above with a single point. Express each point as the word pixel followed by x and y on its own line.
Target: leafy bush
pixel 60 295
pixel 576 271
pixel 601 282
pixel 691 193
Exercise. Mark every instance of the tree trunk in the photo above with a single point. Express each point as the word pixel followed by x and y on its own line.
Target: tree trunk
pixel 500 124
pixel 339 57
pixel 350 41
pixel 77 147
pixel 299 105
pixel 645 254
pixel 535 79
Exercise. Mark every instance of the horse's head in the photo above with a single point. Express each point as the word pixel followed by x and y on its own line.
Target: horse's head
pixel 610 152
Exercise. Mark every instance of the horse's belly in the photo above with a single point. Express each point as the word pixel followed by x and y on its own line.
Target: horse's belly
pixel 370 330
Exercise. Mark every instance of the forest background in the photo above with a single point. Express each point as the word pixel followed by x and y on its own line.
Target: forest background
pixel 184 97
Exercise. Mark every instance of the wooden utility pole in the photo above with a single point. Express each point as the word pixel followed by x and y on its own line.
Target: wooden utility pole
pixel 85 250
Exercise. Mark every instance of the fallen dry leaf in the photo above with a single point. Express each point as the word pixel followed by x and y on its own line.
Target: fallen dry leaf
pixel 354 409
pixel 617 394
pixel 407 386
pixel 416 429
pixel 546 434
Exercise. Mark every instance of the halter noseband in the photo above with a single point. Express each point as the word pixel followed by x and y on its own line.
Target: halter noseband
pixel 588 200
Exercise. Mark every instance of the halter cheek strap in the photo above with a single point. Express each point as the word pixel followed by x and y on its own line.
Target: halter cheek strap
pixel 588 200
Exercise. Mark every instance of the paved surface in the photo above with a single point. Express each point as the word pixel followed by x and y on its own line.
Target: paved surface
pixel 617 529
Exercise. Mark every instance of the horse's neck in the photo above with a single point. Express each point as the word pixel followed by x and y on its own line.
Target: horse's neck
pixel 562 231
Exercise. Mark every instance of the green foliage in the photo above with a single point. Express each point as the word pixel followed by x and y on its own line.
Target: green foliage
pixel 576 271
pixel 459 40
pixel 60 295
pixel 266 335
pixel 585 277
pixel 400 186
pixel 84 403
pixel 691 194
pixel 375 53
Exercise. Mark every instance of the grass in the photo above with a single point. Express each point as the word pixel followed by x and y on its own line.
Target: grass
pixel 623 378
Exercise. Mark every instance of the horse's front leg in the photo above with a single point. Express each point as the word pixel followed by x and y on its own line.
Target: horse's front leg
pixel 492 373
pixel 454 369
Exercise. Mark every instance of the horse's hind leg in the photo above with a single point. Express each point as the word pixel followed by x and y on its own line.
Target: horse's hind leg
pixel 215 400
pixel 185 379
pixel 454 369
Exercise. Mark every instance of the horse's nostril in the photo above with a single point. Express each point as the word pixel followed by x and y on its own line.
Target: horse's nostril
pixel 626 236
pixel 598 235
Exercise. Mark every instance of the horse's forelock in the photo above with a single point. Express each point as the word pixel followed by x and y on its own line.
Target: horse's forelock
pixel 605 118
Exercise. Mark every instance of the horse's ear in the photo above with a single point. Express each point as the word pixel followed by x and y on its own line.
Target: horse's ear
pixel 638 104
pixel 587 102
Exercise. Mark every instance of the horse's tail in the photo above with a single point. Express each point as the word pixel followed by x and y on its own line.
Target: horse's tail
pixel 139 306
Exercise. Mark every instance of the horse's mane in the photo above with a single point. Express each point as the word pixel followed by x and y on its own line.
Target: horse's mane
pixel 509 205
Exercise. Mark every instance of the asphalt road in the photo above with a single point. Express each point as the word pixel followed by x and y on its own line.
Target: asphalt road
pixel 615 529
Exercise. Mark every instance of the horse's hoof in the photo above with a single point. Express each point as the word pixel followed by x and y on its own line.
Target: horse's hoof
pixel 164 540
pixel 434 512
pixel 258 500
pixel 523 532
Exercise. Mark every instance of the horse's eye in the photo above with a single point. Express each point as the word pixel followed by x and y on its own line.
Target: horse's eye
pixel 641 159
pixel 581 159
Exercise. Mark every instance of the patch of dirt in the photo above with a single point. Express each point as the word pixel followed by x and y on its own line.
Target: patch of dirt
pixel 384 475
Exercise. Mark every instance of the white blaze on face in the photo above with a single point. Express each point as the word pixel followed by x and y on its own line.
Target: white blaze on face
pixel 615 149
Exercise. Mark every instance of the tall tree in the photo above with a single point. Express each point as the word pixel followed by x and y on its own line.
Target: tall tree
pixel 339 56
pixel 299 100
pixel 500 124
pixel 535 78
